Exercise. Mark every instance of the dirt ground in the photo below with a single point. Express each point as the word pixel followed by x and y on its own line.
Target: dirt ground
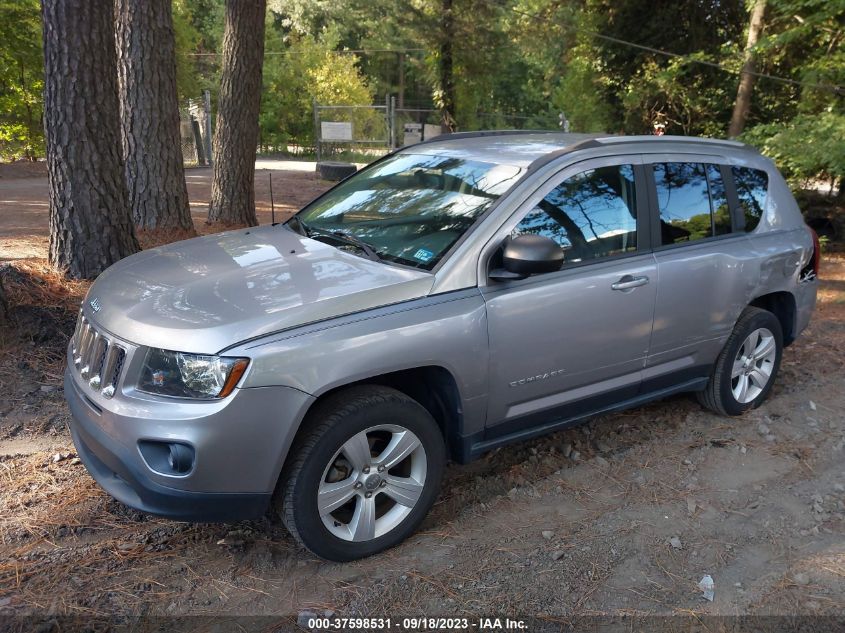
pixel 623 516
pixel 24 200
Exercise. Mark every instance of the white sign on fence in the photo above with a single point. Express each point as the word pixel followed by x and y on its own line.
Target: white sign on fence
pixel 335 131
pixel 413 133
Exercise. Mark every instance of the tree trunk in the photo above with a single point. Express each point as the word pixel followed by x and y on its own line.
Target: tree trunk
pixel 152 144
pixel 90 222
pixel 236 131
pixel 742 106
pixel 446 66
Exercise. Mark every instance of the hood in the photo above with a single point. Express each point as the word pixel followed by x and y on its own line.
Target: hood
pixel 208 293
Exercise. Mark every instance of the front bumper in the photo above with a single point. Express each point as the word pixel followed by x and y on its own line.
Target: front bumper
pixel 240 446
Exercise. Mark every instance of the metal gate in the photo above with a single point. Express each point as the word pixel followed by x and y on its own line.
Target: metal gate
pixel 362 128
pixel 195 131
pixel 376 129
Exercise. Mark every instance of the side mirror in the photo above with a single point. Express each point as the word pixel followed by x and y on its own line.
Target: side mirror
pixel 527 255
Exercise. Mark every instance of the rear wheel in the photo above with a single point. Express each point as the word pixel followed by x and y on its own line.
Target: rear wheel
pixel 364 473
pixel 748 365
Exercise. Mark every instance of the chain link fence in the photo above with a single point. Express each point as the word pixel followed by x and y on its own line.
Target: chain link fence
pixel 366 131
pixel 377 129
pixel 363 129
pixel 195 130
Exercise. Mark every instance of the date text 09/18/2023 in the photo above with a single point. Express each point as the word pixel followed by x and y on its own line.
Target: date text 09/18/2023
pixel 417 623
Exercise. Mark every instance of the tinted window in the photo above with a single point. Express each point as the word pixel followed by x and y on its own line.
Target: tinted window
pixel 692 200
pixel 411 208
pixel 718 200
pixel 751 188
pixel 684 202
pixel 590 215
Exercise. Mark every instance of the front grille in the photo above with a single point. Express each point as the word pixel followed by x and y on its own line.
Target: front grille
pixel 97 358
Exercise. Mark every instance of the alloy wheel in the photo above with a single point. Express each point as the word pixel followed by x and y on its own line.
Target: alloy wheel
pixel 372 483
pixel 753 366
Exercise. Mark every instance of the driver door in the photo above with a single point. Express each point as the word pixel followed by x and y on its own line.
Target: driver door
pixel 573 341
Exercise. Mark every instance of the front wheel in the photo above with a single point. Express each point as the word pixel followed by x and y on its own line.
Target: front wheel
pixel 747 366
pixel 363 475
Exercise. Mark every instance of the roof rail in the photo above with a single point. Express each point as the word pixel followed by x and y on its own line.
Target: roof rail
pixel 590 142
pixel 456 136
pixel 609 140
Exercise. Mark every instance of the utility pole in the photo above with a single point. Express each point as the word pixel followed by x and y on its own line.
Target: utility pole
pixel 401 80
pixel 317 131
pixel 207 106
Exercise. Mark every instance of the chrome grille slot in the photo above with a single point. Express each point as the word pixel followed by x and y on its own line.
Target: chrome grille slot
pixel 99 354
pixel 88 352
pixel 118 366
pixel 85 336
pixel 111 372
pixel 76 333
pixel 97 357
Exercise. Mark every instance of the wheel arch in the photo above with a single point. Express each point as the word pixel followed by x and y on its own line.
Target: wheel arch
pixel 783 305
pixel 432 386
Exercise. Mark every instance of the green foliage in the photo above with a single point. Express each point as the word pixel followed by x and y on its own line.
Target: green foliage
pixel 581 97
pixel 198 28
pixel 189 80
pixel 806 147
pixel 21 80
pixel 307 70
pixel 517 63
pixel 689 100
pixel 805 131
pixel 207 18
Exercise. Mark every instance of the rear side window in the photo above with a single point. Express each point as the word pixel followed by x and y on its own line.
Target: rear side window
pixel 718 201
pixel 590 215
pixel 751 188
pixel 692 201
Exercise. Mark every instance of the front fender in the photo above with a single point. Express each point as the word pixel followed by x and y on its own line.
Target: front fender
pixel 448 331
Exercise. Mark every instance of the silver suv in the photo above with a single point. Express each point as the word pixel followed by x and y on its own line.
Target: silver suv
pixel 452 297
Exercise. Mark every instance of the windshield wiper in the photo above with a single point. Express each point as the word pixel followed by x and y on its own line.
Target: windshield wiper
pixel 340 236
pixel 351 239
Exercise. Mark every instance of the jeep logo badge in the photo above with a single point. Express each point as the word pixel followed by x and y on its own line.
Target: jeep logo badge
pixel 95 304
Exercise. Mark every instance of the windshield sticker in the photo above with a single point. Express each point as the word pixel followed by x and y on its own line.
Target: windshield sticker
pixel 423 255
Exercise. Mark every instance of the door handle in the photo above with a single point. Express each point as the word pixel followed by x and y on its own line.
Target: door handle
pixel 627 282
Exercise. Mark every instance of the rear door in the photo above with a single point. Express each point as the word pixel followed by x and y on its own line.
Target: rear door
pixel 559 340
pixel 701 253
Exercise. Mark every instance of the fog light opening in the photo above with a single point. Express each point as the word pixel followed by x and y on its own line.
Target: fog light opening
pixel 180 459
pixel 168 458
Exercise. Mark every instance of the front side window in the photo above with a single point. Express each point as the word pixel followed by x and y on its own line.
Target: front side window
pixel 751 188
pixel 410 208
pixel 590 215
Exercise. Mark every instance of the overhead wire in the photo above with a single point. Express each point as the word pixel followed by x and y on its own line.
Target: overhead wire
pixel 692 60
pixel 601 36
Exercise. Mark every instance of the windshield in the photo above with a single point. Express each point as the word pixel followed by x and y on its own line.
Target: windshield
pixel 410 208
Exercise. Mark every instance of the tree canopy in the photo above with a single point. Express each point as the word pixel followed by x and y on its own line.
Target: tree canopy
pixel 609 65
pixel 21 79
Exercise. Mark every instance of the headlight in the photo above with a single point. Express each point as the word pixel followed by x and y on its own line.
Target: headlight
pixel 190 375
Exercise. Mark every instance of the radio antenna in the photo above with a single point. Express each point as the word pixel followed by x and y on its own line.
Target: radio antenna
pixel 272 205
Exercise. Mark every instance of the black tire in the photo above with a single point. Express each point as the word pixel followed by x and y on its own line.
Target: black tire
pixel 333 422
pixel 718 395
pixel 330 170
